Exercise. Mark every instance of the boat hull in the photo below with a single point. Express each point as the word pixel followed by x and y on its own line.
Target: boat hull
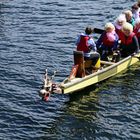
pixel 80 83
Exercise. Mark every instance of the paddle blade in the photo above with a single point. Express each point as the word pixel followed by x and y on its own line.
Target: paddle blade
pixel 98 31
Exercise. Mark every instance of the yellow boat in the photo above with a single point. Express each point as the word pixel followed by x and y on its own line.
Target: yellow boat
pixel 112 69
pixel 75 83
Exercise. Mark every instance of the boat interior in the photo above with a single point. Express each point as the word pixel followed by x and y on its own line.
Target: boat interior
pixel 83 67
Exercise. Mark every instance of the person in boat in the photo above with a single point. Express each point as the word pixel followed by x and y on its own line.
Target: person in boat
pixel 120 20
pixel 138 3
pixel 137 29
pixel 128 41
pixel 134 6
pixel 86 44
pixel 135 11
pixel 107 42
pixel 129 17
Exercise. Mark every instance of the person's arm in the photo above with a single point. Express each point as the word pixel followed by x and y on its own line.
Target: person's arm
pixel 136 44
pixel 92 44
pixel 78 40
pixel 99 41
pixel 115 47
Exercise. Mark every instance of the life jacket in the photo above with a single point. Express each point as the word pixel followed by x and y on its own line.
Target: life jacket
pixel 137 32
pixel 127 40
pixel 83 44
pixel 106 41
pixel 119 32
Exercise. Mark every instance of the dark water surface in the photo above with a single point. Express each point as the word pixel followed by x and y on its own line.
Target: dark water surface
pixel 40 34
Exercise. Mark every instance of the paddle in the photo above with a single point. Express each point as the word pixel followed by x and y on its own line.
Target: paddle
pixel 98 31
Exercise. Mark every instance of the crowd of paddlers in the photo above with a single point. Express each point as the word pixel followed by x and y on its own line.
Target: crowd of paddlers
pixel 121 37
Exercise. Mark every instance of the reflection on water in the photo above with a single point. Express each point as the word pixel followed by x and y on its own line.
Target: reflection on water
pixel 84 106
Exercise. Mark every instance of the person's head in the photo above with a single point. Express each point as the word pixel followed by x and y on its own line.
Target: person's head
pixel 128 14
pixel 109 27
pixel 135 7
pixel 88 30
pixel 138 2
pixel 127 28
pixel 120 20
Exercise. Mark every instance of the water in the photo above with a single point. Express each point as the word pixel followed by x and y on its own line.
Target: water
pixel 40 34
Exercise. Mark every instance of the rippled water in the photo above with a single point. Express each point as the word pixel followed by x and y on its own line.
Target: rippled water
pixel 40 34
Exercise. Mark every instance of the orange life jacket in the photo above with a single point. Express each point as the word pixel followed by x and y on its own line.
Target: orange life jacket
pixel 83 44
pixel 127 40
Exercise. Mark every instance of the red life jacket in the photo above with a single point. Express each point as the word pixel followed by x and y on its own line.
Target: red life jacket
pixel 137 32
pixel 127 40
pixel 119 32
pixel 83 44
pixel 107 42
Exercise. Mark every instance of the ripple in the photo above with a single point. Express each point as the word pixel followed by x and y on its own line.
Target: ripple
pixel 41 34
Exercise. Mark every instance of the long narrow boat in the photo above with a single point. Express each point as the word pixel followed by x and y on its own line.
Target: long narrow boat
pixel 109 71
pixel 74 83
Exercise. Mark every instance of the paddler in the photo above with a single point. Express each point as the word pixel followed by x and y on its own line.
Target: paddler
pixel 119 21
pixel 129 17
pixel 129 42
pixel 85 43
pixel 108 41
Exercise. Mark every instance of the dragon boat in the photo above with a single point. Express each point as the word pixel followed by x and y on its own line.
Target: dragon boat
pixel 82 74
